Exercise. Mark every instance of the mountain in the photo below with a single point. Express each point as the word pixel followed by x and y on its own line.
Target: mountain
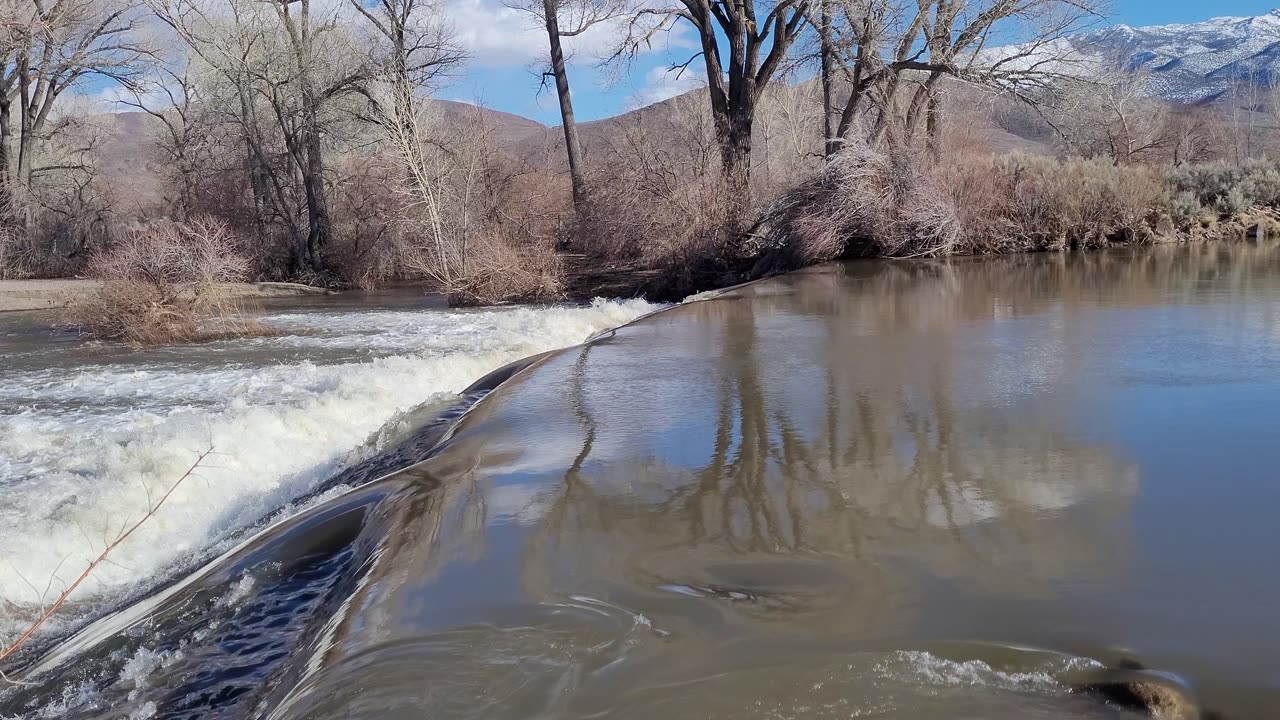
pixel 1196 62
pixel 508 129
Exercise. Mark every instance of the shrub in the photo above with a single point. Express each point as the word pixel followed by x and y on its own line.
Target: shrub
pixel 1231 188
pixel 166 254
pixel 1184 208
pixel 869 201
pixel 165 283
pixel 1233 202
pixel 146 313
pixel 979 193
pixel 1261 187
pixel 680 232
pixel 657 202
pixel 1074 203
pixel 872 202
pixel 498 268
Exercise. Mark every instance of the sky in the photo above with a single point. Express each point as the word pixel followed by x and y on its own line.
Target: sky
pixel 507 50
pixel 1164 12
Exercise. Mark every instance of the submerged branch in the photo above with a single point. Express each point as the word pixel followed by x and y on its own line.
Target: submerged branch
pixel 93 565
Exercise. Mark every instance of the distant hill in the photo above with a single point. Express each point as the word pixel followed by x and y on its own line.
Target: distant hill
pixel 128 157
pixel 510 129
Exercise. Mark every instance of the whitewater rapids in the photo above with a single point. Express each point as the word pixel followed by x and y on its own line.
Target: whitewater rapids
pixel 89 440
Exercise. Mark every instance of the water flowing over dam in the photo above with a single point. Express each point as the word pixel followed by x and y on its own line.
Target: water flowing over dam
pixel 888 489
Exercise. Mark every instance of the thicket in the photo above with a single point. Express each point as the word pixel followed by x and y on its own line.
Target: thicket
pixel 165 282
pixel 870 202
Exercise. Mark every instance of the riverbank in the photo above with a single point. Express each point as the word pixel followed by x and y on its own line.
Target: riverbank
pixel 715 485
pixel 588 278
pixel 861 206
pixel 28 295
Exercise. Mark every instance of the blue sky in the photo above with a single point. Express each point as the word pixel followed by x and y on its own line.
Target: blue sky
pixel 1163 12
pixel 506 49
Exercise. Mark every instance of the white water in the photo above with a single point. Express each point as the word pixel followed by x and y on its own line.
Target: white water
pixel 87 444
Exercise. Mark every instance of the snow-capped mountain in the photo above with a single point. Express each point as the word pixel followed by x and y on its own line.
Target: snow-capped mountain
pixel 1196 62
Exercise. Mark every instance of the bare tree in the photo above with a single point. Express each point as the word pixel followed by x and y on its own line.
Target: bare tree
pixel 1111 115
pixel 72 208
pixel 1192 136
pixel 171 96
pixel 757 36
pixel 290 61
pixel 411 52
pixel 885 48
pixel 790 134
pixel 567 19
pixel 46 49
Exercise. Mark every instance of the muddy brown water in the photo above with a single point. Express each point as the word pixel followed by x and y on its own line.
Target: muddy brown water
pixel 880 489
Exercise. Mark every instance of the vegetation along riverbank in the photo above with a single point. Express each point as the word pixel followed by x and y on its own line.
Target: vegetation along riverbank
pixel 315 148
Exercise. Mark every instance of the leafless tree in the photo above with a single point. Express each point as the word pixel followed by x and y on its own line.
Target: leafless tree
pixel 290 61
pixel 410 53
pixel 1192 136
pixel 891 56
pixel 789 131
pixel 46 49
pixel 567 19
pixel 743 46
pixel 1111 115
pixel 170 95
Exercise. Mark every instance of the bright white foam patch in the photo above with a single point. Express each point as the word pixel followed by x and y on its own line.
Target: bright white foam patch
pixel 931 670
pixel 89 448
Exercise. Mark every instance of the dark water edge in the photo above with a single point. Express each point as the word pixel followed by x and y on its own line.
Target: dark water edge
pixel 923 489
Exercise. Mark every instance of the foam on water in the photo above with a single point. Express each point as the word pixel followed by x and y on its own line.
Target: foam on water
pixel 930 670
pixel 84 450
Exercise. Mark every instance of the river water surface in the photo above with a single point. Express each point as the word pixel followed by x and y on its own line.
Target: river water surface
pixel 881 489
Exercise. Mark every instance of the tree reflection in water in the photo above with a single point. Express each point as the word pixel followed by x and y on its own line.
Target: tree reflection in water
pixel 876 454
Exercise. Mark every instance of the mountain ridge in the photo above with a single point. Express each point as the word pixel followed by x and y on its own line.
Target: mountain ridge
pixel 1193 63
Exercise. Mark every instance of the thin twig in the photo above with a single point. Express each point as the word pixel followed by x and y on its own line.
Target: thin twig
pixel 88 571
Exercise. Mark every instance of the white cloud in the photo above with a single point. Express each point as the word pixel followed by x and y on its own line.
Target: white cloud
pixel 662 83
pixel 497 35
pixel 114 99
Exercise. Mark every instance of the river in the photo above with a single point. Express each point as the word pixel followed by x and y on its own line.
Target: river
pixel 879 489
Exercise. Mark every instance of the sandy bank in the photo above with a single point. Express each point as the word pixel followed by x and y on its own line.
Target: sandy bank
pixel 53 294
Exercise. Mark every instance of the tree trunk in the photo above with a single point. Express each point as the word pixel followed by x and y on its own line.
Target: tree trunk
pixel 319 224
pixel 827 53
pixel 306 146
pixel 26 145
pixel 7 218
pixel 257 174
pixel 572 147
pixel 933 126
pixel 735 158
